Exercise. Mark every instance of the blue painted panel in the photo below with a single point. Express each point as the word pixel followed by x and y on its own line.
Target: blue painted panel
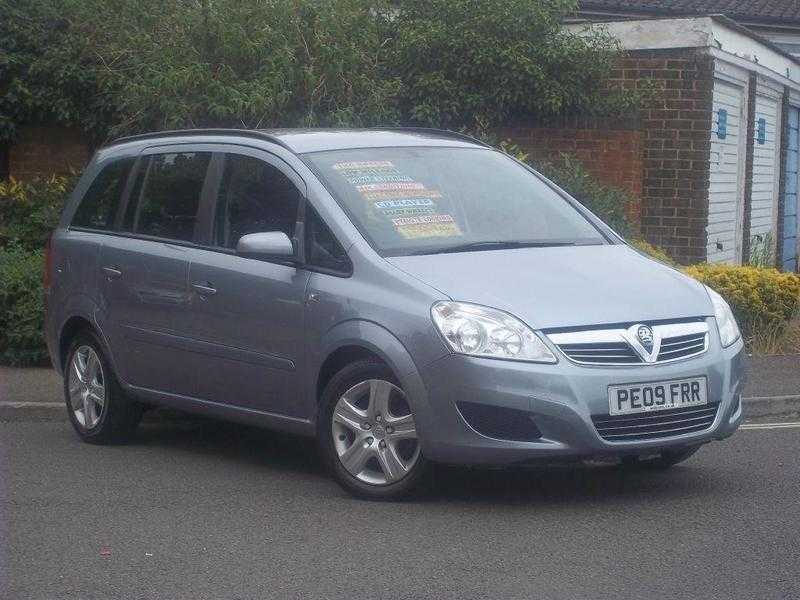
pixel 722 123
pixel 761 134
pixel 790 221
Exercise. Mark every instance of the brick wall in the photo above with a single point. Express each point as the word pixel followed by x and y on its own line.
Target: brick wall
pixel 676 124
pixel 39 151
pixel 611 150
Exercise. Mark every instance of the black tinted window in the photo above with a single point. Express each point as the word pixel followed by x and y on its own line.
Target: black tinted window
pixel 171 195
pixel 322 248
pixel 254 197
pixel 99 204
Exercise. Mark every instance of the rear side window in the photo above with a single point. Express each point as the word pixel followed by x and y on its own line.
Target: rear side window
pixel 99 204
pixel 254 197
pixel 169 195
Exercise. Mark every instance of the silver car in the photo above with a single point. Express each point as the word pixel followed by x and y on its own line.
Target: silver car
pixel 406 296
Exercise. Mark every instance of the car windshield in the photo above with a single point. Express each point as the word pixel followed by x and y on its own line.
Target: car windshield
pixel 432 200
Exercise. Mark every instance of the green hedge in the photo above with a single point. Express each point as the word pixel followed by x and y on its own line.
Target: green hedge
pixel 21 307
pixel 30 210
pixel 28 213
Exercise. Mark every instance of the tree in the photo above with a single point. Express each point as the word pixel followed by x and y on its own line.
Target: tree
pixel 476 62
pixel 116 67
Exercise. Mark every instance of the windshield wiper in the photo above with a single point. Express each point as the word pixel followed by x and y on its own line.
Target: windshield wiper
pixel 505 244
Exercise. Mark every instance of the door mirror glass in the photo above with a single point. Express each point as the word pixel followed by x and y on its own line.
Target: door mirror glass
pixel 265 244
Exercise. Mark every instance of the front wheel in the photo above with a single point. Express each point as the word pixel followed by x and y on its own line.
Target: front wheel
pixel 367 433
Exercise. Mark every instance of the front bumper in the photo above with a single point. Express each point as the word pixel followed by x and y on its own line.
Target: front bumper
pixel 561 399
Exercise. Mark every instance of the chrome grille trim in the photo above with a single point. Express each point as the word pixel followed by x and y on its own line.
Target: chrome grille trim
pixel 657 424
pixel 679 341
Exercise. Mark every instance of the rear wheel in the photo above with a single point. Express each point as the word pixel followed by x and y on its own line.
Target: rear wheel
pixel 98 408
pixel 367 433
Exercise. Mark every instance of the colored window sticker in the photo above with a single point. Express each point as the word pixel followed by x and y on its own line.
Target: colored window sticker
pixel 391 194
pixel 425 226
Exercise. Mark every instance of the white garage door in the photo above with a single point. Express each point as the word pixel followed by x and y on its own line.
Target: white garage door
pixel 766 158
pixel 726 194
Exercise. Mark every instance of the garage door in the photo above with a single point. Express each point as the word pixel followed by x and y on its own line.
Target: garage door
pixel 766 158
pixel 725 195
pixel 790 222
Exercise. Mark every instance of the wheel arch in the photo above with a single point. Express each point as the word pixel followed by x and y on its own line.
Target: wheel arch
pixel 355 340
pixel 81 320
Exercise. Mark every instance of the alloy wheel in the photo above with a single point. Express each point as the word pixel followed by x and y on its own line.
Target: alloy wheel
pixel 374 432
pixel 87 387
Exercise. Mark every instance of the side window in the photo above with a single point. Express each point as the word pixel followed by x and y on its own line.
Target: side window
pixel 170 195
pixel 322 248
pixel 99 205
pixel 254 196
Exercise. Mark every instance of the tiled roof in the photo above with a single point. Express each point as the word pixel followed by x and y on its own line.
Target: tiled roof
pixel 751 11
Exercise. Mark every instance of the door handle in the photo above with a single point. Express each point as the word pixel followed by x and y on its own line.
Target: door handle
pixel 204 289
pixel 112 273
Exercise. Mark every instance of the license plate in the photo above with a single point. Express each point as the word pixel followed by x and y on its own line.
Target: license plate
pixel 659 395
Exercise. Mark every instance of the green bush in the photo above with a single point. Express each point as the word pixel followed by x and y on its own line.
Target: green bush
pixel 30 210
pixel 760 298
pixel 21 307
pixel 607 202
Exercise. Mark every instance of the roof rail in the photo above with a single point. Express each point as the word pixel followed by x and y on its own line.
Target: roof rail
pixel 442 132
pixel 254 133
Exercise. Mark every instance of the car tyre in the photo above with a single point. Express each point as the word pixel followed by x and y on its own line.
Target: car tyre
pixel 98 408
pixel 352 431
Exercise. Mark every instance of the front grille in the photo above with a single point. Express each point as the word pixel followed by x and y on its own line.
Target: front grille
pixel 653 425
pixel 682 346
pixel 618 353
pixel 618 346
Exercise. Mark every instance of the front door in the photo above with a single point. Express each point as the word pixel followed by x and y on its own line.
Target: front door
pixel 246 315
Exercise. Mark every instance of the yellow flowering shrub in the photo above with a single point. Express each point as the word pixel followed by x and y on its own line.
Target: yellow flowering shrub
pixel 652 251
pixel 757 296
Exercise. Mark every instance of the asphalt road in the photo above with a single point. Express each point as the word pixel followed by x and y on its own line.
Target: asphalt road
pixel 200 510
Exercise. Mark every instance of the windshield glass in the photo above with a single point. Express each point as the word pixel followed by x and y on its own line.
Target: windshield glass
pixel 428 200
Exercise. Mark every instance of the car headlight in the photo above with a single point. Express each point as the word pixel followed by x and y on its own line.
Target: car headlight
pixel 482 331
pixel 726 322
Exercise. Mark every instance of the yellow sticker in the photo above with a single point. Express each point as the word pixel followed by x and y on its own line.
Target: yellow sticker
pixel 423 226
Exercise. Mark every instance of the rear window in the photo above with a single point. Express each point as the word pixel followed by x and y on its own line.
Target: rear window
pixel 99 205
pixel 169 195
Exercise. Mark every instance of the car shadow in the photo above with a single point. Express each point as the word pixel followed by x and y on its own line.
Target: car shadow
pixel 557 485
pixel 255 446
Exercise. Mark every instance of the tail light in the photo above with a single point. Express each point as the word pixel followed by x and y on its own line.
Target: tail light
pixel 47 273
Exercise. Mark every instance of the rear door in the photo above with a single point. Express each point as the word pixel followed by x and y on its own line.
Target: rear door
pixel 247 315
pixel 145 267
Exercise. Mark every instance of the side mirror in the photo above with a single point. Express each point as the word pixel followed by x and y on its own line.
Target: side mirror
pixel 265 244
